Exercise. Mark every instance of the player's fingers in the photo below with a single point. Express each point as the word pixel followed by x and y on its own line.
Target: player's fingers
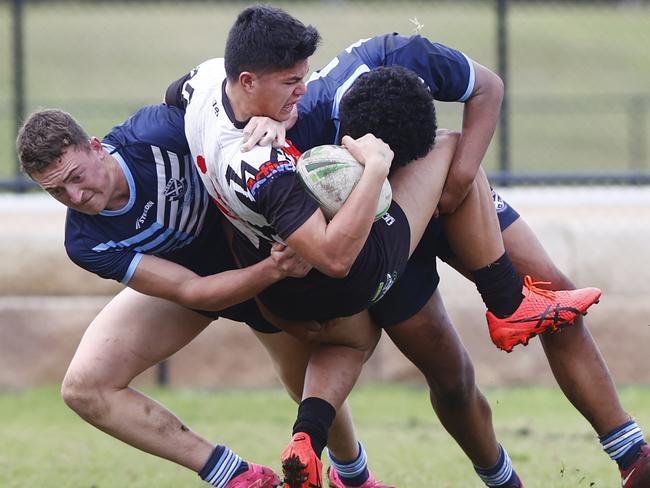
pixel 280 140
pixel 254 138
pixel 278 247
pixel 267 138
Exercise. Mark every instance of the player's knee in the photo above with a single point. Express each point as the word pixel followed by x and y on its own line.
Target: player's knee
pixel 83 397
pixel 456 390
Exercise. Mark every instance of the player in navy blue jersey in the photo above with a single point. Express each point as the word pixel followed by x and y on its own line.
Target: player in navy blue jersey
pixel 450 75
pixel 138 214
pixel 333 99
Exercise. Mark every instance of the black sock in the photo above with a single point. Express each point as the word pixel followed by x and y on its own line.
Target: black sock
pixel 315 416
pixel 499 286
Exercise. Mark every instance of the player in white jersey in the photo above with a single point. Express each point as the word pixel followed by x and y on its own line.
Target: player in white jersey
pixel 334 248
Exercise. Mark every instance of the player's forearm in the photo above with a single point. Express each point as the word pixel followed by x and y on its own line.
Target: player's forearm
pixel 165 279
pixel 349 229
pixel 343 238
pixel 229 288
pixel 480 118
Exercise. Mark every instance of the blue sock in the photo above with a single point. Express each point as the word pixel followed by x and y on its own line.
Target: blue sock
pixel 222 466
pixel 624 444
pixel 354 473
pixel 501 474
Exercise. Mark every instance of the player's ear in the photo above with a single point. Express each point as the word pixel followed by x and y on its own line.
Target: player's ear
pixel 96 145
pixel 246 80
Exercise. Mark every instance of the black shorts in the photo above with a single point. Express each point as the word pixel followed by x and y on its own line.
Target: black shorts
pixel 420 279
pixel 318 297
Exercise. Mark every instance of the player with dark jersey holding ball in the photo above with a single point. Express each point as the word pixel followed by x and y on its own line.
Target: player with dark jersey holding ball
pixel 242 186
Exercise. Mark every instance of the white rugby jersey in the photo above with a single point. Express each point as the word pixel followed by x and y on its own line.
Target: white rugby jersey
pixel 231 177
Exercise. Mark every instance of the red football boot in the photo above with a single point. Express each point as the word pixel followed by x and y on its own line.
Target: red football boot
pixel 539 311
pixel 300 465
pixel 638 474
pixel 255 476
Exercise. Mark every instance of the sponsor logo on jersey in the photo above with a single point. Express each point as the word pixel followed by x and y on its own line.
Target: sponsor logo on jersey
pixel 143 217
pixel 388 218
pixel 285 163
pixel 499 204
pixel 215 108
pixel 175 189
pixel 267 172
pixel 384 286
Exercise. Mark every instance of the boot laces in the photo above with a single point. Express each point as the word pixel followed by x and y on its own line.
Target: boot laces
pixel 532 286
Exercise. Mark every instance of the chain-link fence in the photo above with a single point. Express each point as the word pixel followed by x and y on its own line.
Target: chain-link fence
pixel 577 73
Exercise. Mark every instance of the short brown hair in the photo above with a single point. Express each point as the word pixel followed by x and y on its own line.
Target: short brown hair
pixel 44 137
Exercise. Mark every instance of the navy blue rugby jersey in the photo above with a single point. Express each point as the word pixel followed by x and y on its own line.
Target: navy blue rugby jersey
pixel 448 73
pixel 169 213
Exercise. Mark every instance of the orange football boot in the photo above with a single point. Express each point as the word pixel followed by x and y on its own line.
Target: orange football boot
pixel 539 311
pixel 300 465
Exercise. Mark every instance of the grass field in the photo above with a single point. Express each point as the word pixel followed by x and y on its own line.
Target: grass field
pixel 45 444
pixel 579 73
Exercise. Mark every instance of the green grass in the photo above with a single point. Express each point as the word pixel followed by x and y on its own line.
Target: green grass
pixel 45 444
pixel 574 68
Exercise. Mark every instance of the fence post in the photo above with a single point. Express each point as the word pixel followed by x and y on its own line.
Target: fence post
pixel 19 70
pixel 637 114
pixel 502 60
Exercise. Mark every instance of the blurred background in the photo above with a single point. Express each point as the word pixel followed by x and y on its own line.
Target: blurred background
pixel 577 72
pixel 576 117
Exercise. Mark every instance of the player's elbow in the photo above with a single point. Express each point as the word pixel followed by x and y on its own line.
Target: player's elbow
pixel 336 268
pixel 194 296
pixel 340 270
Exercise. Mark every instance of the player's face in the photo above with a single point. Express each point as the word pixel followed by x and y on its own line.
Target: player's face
pixel 80 179
pixel 277 93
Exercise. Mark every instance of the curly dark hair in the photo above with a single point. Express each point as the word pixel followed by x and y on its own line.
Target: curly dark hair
pixel 394 104
pixel 44 137
pixel 265 38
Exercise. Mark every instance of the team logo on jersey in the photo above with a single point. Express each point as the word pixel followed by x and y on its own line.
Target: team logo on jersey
pixel 175 189
pixel 143 217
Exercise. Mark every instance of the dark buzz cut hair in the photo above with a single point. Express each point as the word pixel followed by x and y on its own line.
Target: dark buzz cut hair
pixel 394 104
pixel 267 39
pixel 44 137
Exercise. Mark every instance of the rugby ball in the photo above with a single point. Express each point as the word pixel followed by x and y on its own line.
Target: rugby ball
pixel 329 173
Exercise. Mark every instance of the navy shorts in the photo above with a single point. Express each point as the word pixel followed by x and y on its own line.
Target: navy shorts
pixel 319 297
pixel 420 279
pixel 246 312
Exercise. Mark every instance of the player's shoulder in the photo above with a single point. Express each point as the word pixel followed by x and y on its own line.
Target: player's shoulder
pixel 204 77
pixel 155 125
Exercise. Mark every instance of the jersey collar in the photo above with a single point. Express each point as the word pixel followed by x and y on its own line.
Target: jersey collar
pixel 129 178
pixel 228 108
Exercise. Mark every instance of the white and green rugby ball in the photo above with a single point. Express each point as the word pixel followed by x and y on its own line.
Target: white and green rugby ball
pixel 330 173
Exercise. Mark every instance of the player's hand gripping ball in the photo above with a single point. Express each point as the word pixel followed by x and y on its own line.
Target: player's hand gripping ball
pixel 330 173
